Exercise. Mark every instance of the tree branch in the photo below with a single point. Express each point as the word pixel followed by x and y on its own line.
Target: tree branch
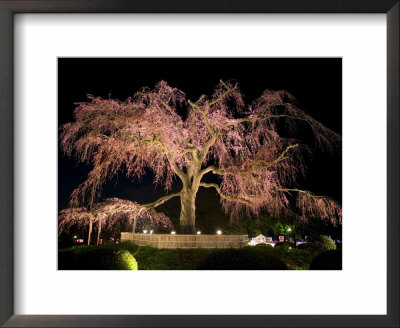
pixel 170 155
pixel 232 198
pixel 131 207
pixel 160 201
pixel 219 171
pixel 261 118
pixel 206 148
pixel 214 134
pixel 213 169
pixel 301 191
pixel 228 90
pixel 192 150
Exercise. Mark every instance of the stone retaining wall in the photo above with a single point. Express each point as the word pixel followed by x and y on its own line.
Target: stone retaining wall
pixel 186 241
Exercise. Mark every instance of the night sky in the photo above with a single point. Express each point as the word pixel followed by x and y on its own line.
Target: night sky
pixel 315 83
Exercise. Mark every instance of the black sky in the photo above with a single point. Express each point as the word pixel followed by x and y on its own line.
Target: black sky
pixel 315 83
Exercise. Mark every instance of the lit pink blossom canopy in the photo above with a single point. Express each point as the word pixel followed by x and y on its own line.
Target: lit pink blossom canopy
pixel 257 166
pixel 111 212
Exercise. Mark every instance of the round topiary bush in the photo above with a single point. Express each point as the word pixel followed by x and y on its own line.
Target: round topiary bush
pixel 318 244
pixel 250 258
pixel 124 260
pixel 328 260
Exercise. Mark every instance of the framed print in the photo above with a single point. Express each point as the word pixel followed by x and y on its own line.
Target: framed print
pixel 203 101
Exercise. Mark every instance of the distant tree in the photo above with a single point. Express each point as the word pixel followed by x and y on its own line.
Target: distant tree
pixel 243 145
pixel 79 218
pixel 111 212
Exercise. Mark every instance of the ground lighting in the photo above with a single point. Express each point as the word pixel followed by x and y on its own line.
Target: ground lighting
pixel 199 232
pixel 144 231
pixel 219 232
pixel 173 232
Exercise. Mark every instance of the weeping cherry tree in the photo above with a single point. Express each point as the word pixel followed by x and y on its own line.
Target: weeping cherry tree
pixel 258 166
pixel 108 214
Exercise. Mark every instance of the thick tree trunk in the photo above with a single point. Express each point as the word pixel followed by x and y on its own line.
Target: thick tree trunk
pixel 188 212
pixel 90 231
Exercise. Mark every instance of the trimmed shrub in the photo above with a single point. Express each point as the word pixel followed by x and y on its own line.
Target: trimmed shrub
pixel 125 261
pixel 328 260
pixel 97 259
pixel 318 244
pixel 250 258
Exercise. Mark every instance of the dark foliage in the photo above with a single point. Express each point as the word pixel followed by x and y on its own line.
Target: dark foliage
pixel 241 259
pixel 264 245
pixel 329 260
pixel 96 259
pixel 285 244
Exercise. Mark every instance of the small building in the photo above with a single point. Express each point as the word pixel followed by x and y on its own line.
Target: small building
pixel 261 239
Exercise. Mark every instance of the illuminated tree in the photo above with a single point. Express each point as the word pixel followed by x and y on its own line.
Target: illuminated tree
pixel 242 145
pixel 111 212
pixel 114 211
pixel 75 217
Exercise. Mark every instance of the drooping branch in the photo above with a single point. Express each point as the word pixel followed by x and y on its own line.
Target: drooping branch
pixel 312 205
pixel 70 217
pixel 112 211
pixel 316 205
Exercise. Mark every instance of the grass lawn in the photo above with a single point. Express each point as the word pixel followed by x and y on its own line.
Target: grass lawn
pixel 149 258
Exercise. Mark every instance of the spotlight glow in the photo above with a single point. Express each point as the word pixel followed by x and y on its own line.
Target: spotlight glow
pixel 219 232
pixel 151 231
pixel 144 231
pixel 173 232
pixel 199 232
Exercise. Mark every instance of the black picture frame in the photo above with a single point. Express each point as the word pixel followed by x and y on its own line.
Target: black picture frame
pixel 10 7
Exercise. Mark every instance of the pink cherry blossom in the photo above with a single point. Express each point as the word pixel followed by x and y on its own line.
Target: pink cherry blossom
pixel 258 167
